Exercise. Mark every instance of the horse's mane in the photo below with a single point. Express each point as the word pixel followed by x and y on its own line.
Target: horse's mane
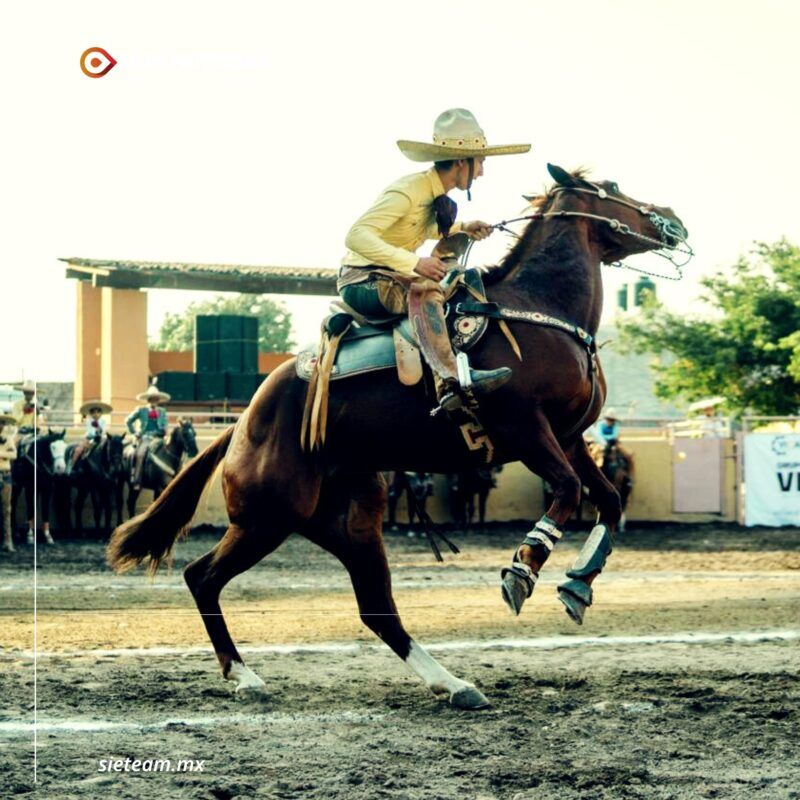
pixel 538 205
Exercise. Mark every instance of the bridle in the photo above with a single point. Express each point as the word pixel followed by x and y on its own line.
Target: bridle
pixel 670 245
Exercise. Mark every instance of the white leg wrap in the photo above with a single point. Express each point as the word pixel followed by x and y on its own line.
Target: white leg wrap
pixel 436 677
pixel 245 677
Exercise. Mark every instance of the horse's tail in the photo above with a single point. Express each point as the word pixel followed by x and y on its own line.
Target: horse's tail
pixel 153 534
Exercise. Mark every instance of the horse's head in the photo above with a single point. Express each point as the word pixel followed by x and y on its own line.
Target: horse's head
pixel 115 446
pixel 57 449
pixel 625 226
pixel 188 436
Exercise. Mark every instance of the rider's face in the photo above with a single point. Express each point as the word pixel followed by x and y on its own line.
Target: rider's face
pixel 462 173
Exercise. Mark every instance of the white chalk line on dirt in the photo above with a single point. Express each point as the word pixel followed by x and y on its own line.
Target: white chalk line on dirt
pixel 20 729
pixel 540 643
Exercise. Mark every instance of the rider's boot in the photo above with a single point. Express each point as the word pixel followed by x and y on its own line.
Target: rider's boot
pixel 426 314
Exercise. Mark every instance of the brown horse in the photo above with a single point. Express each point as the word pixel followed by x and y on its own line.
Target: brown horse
pixel 336 497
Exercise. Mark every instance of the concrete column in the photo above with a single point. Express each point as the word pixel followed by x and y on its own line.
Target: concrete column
pixel 124 353
pixel 87 376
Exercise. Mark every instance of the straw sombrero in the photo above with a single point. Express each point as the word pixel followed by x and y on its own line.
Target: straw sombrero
pixel 706 402
pixel 90 404
pixel 610 413
pixel 26 386
pixel 456 134
pixel 153 391
pixel 7 419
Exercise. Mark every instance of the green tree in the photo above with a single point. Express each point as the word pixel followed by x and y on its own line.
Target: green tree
pixel 274 322
pixel 747 349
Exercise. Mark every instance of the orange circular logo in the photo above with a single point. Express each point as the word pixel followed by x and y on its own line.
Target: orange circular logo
pixel 96 62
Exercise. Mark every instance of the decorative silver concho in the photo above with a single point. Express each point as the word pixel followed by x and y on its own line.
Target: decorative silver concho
pixel 306 361
pixel 467 328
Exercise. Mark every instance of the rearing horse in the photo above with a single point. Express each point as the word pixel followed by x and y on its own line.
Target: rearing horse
pixel 336 497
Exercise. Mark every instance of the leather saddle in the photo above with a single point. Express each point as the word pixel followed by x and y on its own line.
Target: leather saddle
pixel 372 345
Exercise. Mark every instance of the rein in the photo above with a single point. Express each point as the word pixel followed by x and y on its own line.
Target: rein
pixel 666 227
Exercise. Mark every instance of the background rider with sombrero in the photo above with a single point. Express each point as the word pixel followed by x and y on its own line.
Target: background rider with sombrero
pixel 27 413
pixel 381 265
pixel 152 428
pixel 92 412
pixel 8 452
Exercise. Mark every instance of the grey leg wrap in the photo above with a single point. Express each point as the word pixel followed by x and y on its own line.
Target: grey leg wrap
pixel 519 579
pixel 576 594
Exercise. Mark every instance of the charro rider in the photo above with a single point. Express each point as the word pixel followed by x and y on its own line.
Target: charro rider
pixel 606 433
pixel 8 452
pixel 96 425
pixel 152 421
pixel 27 413
pixel 381 266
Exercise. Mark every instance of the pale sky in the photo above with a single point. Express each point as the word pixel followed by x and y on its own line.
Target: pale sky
pixel 257 132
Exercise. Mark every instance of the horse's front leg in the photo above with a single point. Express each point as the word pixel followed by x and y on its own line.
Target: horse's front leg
pixel 47 494
pixel 544 457
pixel 576 592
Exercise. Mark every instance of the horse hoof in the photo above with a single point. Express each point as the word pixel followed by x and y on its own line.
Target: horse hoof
pixel 575 607
pixel 48 539
pixel 516 587
pixel 469 699
pixel 251 692
pixel 30 538
pixel 9 548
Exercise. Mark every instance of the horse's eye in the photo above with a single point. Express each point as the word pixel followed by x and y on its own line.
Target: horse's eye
pixel 613 187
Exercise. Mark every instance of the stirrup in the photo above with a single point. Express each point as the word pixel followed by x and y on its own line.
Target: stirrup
pixel 449 402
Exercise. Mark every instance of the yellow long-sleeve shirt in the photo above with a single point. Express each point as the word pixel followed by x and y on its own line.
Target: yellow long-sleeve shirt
pixel 8 450
pixel 397 223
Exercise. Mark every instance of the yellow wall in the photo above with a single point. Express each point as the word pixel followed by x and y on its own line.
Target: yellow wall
pixel 519 495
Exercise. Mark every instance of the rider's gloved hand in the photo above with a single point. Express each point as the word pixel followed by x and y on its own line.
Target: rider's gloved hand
pixel 431 267
pixel 478 230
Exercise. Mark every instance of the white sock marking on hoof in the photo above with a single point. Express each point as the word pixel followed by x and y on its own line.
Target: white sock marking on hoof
pixel 436 677
pixel 246 680
pixel 30 536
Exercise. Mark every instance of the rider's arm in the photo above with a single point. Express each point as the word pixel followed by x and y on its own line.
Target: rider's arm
pixel 365 238
pixel 131 418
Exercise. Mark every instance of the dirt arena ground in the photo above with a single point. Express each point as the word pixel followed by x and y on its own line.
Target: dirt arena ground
pixel 683 683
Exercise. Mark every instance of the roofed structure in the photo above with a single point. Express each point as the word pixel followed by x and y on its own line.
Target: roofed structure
pixel 204 277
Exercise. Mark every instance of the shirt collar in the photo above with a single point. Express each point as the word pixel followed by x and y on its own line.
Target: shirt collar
pixel 436 182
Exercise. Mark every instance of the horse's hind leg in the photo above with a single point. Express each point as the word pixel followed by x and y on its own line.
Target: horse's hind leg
pixel 576 592
pixel 237 551
pixel 348 525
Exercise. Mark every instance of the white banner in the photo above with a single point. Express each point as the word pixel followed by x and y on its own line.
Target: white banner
pixel 772 479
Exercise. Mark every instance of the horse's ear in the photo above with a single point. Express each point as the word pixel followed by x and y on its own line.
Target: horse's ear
pixel 561 176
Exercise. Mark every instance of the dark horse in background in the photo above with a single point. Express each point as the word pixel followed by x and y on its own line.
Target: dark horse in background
pixel 41 463
pixel 417 488
pixel 162 463
pixel 468 485
pixel 336 497
pixel 96 474
pixel 618 468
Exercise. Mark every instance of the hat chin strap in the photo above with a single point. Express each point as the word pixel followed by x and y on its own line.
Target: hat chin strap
pixel 470 177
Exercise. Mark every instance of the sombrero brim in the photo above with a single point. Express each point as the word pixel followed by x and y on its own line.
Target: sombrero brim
pixel 87 407
pixel 426 151
pixel 708 402
pixel 163 397
pixel 7 419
